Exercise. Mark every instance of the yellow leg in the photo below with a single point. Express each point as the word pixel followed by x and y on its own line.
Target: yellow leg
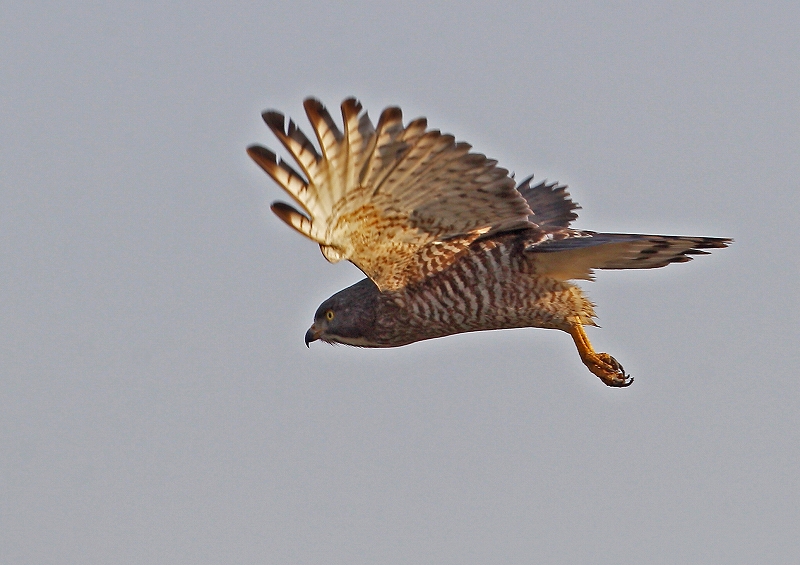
pixel 601 364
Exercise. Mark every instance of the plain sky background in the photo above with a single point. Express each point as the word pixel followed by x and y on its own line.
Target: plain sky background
pixel 157 404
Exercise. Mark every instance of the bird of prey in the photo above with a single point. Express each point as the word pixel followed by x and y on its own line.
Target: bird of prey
pixel 447 239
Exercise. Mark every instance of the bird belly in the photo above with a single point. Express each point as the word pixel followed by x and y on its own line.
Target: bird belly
pixel 492 290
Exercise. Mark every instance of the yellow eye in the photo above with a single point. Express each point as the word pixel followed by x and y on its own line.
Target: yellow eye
pixel 329 315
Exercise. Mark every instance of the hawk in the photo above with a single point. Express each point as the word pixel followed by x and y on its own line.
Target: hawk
pixel 447 239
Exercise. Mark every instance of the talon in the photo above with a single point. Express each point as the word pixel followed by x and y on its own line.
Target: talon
pixel 603 365
pixel 615 373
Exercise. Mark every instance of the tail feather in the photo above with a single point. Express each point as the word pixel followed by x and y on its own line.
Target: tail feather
pixel 577 256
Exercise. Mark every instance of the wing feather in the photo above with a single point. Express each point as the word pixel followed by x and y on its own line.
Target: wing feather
pixel 357 130
pixel 550 202
pixel 283 174
pixel 384 147
pixel 333 165
pixel 292 217
pixel 295 142
pixel 388 198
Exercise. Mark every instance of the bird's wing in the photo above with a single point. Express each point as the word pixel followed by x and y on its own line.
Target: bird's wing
pixel 400 202
pixel 550 203
pixel 580 252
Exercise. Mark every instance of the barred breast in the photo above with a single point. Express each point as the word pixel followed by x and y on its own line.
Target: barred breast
pixel 494 285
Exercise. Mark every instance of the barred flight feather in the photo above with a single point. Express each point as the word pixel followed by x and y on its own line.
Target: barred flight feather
pixel 379 195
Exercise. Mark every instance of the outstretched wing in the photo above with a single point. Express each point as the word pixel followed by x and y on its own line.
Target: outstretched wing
pixel 400 202
pixel 578 254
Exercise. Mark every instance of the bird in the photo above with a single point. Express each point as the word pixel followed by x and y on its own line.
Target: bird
pixel 447 239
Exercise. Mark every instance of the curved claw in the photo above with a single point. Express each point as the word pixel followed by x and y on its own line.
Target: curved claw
pixel 614 375
pixel 603 365
pixel 608 369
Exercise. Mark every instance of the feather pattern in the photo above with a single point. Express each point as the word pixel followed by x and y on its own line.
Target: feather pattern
pixel 580 252
pixel 378 196
pixel 551 204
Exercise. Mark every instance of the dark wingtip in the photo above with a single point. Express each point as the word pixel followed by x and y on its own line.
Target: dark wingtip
pixel 390 114
pixel 273 119
pixel 263 157
pixel 261 151
pixel 313 103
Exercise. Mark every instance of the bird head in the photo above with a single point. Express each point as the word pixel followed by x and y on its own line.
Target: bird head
pixel 347 317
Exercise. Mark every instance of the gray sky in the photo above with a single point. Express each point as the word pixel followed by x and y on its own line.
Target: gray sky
pixel 158 403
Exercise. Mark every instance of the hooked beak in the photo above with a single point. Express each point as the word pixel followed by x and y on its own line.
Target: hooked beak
pixel 312 335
